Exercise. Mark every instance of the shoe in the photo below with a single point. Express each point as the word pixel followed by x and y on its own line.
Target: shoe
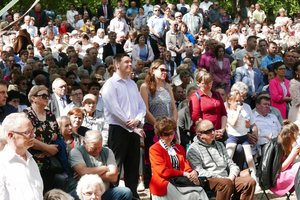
pixel 121 183
pixel 141 186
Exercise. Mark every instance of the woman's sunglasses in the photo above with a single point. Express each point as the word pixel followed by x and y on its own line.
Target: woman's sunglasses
pixel 44 96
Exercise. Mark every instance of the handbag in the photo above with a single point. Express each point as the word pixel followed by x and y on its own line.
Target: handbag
pixel 182 181
pixel 55 165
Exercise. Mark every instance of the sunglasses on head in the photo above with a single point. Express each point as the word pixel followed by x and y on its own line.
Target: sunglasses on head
pixel 168 134
pixel 44 96
pixel 208 131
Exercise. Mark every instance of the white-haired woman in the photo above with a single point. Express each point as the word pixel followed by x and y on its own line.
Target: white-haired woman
pixel 90 186
pixel 281 20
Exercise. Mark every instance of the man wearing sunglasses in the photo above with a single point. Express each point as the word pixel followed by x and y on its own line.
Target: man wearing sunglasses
pixel 20 175
pixel 211 160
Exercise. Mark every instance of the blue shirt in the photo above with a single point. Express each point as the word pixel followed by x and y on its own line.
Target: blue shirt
pixel 143 53
pixel 268 60
pixel 6 110
pixel 131 11
pixel 147 8
pixel 288 74
pixel 114 48
pixel 157 23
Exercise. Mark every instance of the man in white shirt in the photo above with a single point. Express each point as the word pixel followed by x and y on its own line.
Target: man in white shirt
pixel 124 110
pixel 32 30
pixel 183 5
pixel 20 176
pixel 71 13
pixel 267 123
pixel 205 5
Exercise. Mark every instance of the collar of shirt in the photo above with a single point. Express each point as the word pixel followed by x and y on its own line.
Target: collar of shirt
pixel 10 154
pixel 248 68
pixel 118 78
pixel 257 114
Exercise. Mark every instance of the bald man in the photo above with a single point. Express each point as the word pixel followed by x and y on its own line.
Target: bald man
pixel 210 159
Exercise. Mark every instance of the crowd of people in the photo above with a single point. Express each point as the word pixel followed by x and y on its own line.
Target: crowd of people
pixel 91 99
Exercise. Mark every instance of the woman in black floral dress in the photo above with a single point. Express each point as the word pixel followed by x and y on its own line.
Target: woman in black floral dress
pixel 46 133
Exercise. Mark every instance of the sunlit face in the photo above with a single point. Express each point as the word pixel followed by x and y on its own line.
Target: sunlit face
pixel 76 120
pixel 90 105
pixel 93 148
pixel 92 192
pixel 161 72
pixel 67 128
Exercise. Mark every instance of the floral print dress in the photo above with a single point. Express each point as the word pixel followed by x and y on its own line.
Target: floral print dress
pixel 46 132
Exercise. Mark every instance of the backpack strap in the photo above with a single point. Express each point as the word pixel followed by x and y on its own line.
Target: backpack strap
pixel 198 95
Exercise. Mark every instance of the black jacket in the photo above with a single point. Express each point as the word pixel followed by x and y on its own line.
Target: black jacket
pixel 270 164
pixel 108 51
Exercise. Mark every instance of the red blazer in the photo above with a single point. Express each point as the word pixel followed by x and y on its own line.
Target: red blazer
pixel 208 108
pixel 219 74
pixel 276 92
pixel 162 168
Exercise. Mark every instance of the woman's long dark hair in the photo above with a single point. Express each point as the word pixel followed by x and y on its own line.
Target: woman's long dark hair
pixel 150 78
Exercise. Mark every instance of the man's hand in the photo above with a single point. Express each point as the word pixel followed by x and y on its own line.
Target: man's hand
pixel 253 138
pixel 219 133
pixel 77 176
pixel 140 132
pixel 253 96
pixel 132 123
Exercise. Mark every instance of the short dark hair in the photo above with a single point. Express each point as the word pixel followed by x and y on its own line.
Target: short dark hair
pixel 118 57
pixel 69 73
pixel 276 65
pixel 73 88
pixel 295 68
pixel 251 37
pixel 94 84
pixel 260 98
pixel 13 95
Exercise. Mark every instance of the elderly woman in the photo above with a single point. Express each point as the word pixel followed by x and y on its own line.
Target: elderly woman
pixel 279 89
pixel 167 161
pixel 46 132
pixel 210 107
pixel 76 118
pixel 90 186
pixel 281 20
pixel 142 50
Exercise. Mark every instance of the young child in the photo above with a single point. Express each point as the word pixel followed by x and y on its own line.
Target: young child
pixel 238 124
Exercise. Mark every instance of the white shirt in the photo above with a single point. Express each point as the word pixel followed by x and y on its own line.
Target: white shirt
pixel 32 30
pixel 122 101
pixel 19 179
pixel 183 5
pixel 59 102
pixel 205 6
pixel 267 125
pixel 79 24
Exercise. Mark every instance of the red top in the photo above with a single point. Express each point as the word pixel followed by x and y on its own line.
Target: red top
pixel 211 108
pixel 162 168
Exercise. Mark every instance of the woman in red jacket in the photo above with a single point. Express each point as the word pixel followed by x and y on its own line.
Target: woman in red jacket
pixel 168 160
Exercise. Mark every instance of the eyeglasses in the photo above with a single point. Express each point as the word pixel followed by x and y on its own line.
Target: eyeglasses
pixel 44 96
pixel 15 101
pixel 216 4
pixel 208 131
pixel 76 94
pixel 162 70
pixel 250 58
pixel 178 16
pixel 201 34
pixel 23 83
pixel 168 134
pixel 175 24
pixel 26 133
pixel 282 69
pixel 85 84
pixel 156 10
pixel 11 60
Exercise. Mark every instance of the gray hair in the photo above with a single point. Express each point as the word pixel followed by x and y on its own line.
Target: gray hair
pixel 55 82
pixel 190 87
pixel 57 194
pixel 30 59
pixel 87 181
pixel 240 87
pixel 92 136
pixel 12 121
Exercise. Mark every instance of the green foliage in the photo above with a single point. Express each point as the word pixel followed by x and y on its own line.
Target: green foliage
pixel 292 5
